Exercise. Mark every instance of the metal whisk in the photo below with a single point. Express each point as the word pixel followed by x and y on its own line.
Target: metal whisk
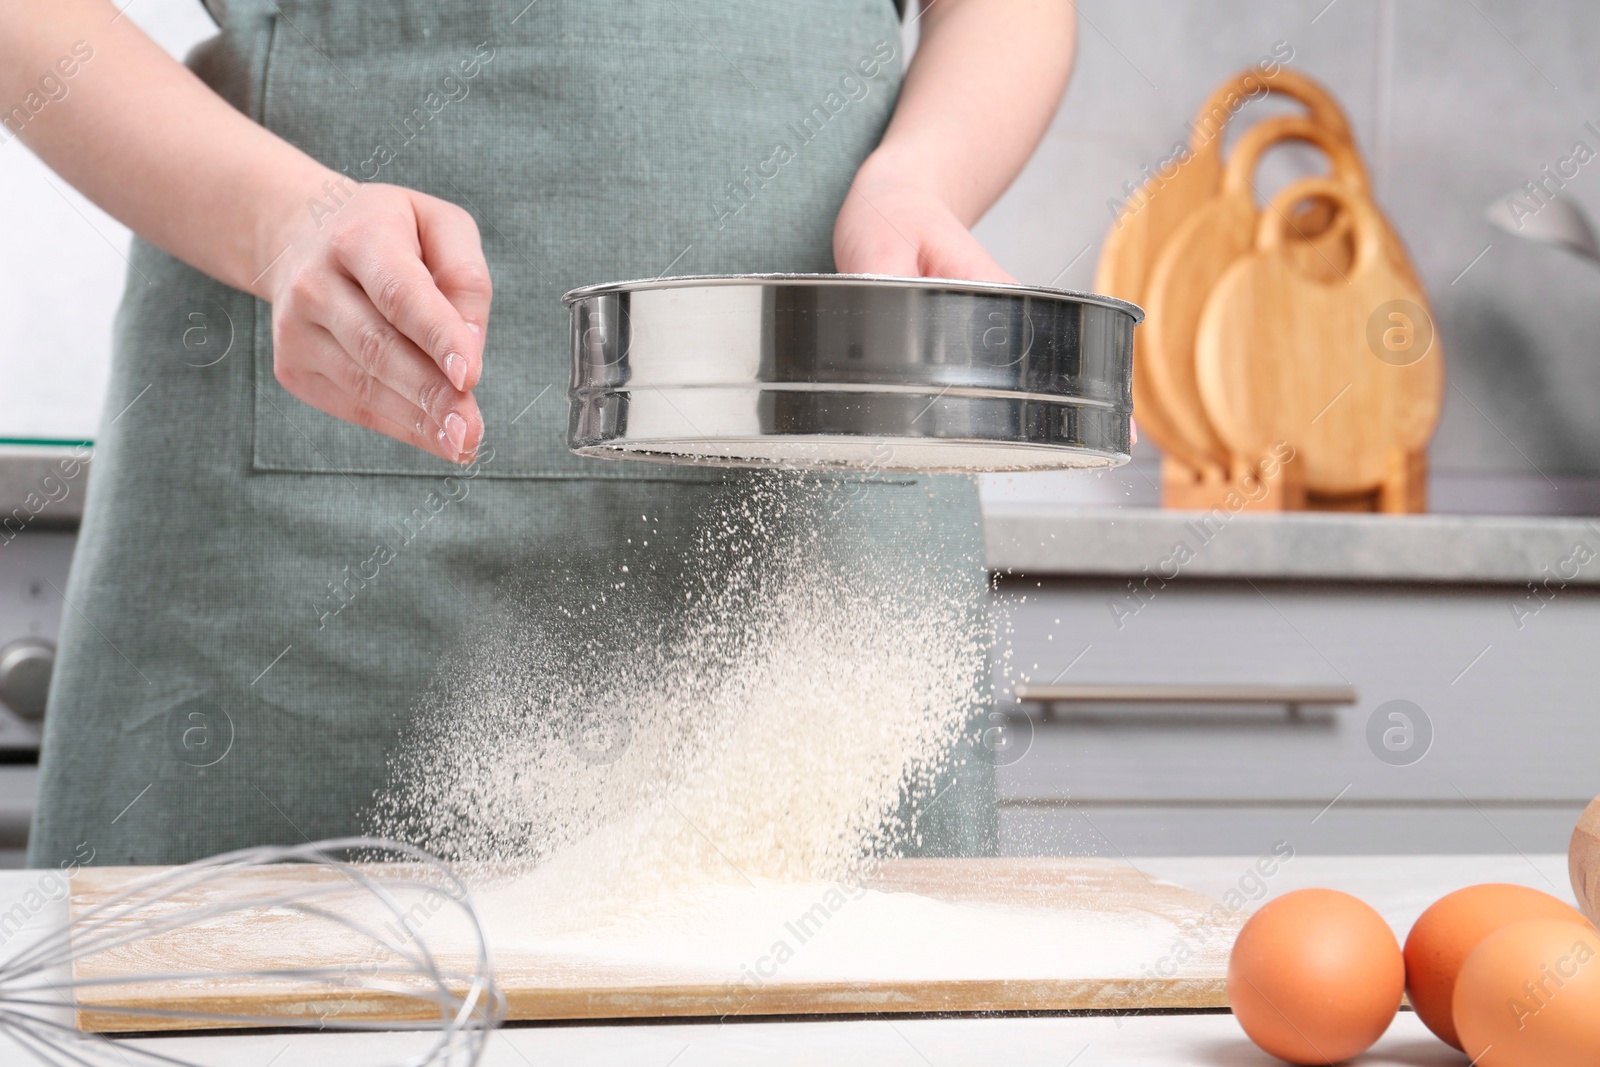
pixel 351 914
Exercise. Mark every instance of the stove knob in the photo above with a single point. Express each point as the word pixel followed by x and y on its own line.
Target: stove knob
pixel 25 666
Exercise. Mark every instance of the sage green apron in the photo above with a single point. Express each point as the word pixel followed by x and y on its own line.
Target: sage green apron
pixel 263 595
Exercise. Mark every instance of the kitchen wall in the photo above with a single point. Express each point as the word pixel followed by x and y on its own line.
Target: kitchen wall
pixel 1455 104
pixel 62 267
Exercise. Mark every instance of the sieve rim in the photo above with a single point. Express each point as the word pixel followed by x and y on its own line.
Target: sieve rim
pixel 884 281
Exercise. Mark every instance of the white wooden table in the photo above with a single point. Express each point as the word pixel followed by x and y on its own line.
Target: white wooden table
pixel 1399 887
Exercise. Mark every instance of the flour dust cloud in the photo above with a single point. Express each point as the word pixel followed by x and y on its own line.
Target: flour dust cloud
pixel 778 698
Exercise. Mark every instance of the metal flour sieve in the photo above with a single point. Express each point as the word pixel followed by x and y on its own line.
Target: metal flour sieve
pixel 862 372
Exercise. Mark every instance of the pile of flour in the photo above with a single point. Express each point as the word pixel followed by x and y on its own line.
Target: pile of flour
pixel 745 937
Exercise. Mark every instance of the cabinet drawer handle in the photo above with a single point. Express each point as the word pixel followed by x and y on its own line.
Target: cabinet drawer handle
pixel 1294 696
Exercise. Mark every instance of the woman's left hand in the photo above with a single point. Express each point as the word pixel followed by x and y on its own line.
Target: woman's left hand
pixel 977 97
pixel 892 224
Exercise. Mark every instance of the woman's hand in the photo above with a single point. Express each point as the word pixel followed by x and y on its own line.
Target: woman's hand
pixel 979 94
pixel 378 306
pixel 890 224
pixel 378 312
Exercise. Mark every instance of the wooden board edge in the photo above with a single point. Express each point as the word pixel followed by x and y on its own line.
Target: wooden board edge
pixel 202 1011
pixel 600 1003
pixel 910 996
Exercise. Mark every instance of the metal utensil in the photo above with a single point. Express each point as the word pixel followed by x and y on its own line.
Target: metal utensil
pixel 1557 221
pixel 819 371
pixel 169 949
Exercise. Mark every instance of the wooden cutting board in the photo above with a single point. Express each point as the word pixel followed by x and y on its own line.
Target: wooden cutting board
pixel 970 935
pixel 1157 209
pixel 1283 357
pixel 1202 248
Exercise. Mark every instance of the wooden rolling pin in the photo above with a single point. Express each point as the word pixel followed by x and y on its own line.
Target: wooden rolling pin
pixel 1583 861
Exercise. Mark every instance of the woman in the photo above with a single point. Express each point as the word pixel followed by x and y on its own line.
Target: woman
pixel 273 561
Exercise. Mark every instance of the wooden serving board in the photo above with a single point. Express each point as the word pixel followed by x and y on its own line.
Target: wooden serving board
pixel 1161 206
pixel 1286 358
pixel 1197 254
pixel 926 935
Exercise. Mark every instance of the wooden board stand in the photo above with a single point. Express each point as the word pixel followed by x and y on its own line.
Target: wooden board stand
pixel 1244 487
pixel 1269 485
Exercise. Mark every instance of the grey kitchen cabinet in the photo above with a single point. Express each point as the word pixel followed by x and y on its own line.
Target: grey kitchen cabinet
pixel 1475 727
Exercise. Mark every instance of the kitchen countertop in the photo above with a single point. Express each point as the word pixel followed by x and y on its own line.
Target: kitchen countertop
pixel 1107 541
pixel 42 484
pixel 1399 887
pixel 1296 546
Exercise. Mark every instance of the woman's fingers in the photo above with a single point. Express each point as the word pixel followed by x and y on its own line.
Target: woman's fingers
pixel 866 242
pixel 379 318
pixel 452 250
pixel 374 348
pixel 904 230
pixel 945 252
pixel 955 253
pixel 326 378
pixel 388 265
pixel 382 409
pixel 879 251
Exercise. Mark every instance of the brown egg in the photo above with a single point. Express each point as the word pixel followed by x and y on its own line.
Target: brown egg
pixel 1447 932
pixel 1315 977
pixel 1529 996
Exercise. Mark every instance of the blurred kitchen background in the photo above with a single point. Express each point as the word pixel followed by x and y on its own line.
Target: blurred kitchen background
pixel 1289 643
pixel 1454 105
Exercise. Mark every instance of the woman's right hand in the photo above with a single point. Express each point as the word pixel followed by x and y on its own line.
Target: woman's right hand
pixel 380 295
pixel 378 313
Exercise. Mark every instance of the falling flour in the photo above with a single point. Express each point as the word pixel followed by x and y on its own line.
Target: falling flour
pixel 779 713
pixel 689 774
